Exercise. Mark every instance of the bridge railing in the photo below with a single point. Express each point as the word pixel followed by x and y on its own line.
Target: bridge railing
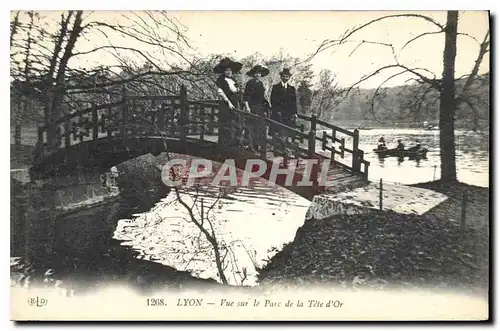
pixel 87 124
pixel 178 117
pixel 287 141
pixel 204 120
pixel 133 116
pixel 339 142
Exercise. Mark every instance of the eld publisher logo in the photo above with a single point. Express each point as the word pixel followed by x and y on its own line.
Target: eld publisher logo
pixel 37 302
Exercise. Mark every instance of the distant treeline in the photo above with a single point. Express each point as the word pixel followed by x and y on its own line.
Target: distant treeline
pixel 406 106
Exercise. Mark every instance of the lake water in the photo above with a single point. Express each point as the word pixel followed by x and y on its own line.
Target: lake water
pixel 472 156
pixel 253 223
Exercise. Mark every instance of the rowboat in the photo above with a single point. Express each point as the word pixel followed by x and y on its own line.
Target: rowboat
pixel 411 153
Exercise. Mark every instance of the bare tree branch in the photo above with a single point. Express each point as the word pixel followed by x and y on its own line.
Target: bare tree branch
pixel 375 94
pixel 123 80
pixel 483 49
pixel 434 82
pixel 331 43
pixel 373 43
pixel 14 26
pixel 148 60
pixel 420 36
pixel 58 44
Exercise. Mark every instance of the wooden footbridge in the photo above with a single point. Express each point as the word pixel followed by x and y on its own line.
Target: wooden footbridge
pixel 105 135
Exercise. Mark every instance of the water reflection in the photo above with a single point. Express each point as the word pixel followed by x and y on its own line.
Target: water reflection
pixel 251 224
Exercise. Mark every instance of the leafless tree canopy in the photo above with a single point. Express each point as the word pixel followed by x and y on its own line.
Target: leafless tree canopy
pixel 443 87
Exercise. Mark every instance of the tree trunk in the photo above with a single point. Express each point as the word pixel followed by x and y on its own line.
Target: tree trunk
pixel 17 131
pixel 448 102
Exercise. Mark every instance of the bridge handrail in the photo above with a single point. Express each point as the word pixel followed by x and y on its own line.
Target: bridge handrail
pixel 210 103
pixel 80 113
pixel 152 97
pixel 327 125
pixel 271 121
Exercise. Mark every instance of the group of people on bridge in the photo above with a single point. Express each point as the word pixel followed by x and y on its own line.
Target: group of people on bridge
pixel 281 108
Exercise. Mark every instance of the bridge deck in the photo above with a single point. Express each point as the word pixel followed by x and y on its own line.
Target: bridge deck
pixel 341 178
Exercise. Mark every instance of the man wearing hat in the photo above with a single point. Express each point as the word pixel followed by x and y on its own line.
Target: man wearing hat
pixel 284 100
pixel 229 92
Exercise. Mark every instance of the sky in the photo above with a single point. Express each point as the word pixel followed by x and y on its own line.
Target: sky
pixel 299 33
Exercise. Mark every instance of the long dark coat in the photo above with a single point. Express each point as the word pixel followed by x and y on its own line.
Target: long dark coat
pixel 254 95
pixel 283 105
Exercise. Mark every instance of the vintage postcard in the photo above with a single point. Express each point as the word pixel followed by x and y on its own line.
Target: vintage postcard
pixel 237 165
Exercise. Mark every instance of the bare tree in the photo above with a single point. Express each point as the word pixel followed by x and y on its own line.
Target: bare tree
pixel 449 98
pixel 49 69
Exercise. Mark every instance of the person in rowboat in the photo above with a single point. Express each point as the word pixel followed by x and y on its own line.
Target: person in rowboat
pixel 401 146
pixel 415 148
pixel 381 144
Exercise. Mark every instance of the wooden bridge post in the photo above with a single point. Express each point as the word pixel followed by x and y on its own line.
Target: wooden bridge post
pixel 356 162
pixel 124 118
pixel 201 119
pixel 311 146
pixel 184 114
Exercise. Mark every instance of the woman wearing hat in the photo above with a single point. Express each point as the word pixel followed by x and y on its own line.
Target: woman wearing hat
pixel 255 103
pixel 229 91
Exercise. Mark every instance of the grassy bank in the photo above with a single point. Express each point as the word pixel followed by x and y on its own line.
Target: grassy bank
pixel 385 249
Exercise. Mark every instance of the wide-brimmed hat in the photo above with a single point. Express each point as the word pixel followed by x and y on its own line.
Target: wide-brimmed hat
pixel 258 68
pixel 285 71
pixel 227 63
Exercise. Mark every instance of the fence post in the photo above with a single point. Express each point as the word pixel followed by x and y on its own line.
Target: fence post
pixel 356 164
pixel 184 115
pixel 463 217
pixel 311 146
pixel 381 195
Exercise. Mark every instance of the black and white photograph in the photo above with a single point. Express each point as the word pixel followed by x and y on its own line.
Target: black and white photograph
pixel 250 165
